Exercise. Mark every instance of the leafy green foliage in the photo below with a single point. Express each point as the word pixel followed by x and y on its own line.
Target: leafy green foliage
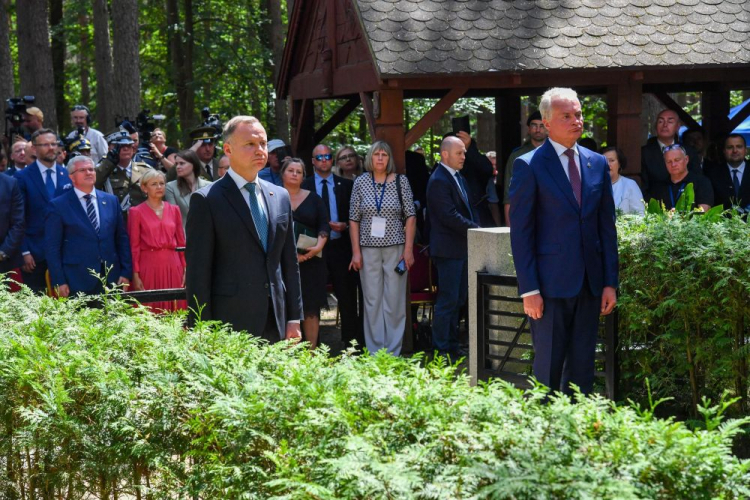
pixel 684 305
pixel 114 401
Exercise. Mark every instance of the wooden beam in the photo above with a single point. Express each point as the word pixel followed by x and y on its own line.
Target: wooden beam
pixel 624 105
pixel 339 116
pixel 687 120
pixel 740 117
pixel 390 125
pixel 508 128
pixel 366 100
pixel 433 115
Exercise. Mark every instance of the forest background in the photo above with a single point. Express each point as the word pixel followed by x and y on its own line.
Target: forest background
pixel 177 57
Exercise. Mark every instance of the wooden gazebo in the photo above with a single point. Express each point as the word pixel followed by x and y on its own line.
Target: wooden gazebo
pixel 379 52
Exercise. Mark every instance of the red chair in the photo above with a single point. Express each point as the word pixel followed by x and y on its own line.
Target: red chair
pixel 423 290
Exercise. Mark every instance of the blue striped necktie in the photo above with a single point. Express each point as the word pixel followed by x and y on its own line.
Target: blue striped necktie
pixel 259 216
pixel 91 212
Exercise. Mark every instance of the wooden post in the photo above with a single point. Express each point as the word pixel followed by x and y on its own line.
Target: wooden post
pixel 389 125
pixel 507 128
pixel 624 116
pixel 303 130
pixel 715 111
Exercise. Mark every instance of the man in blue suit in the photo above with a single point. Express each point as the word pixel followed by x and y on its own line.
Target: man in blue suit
pixel 40 183
pixel 84 233
pixel 564 245
pixel 11 224
pixel 451 216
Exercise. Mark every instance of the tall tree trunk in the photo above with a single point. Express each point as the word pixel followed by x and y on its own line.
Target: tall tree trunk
pixel 35 57
pixel 84 60
pixel 6 63
pixel 58 55
pixel 125 57
pixel 181 48
pixel 105 106
pixel 275 37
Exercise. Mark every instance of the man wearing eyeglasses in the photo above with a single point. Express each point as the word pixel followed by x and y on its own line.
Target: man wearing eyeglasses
pixel 336 193
pixel 654 174
pixel 40 183
pixel 537 134
pixel 85 232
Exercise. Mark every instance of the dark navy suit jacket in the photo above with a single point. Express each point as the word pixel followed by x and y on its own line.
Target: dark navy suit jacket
pixel 73 247
pixel 449 216
pixel 35 193
pixel 723 184
pixel 229 277
pixel 555 241
pixel 12 223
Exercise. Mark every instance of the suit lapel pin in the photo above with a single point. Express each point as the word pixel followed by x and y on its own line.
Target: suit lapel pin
pixel 588 165
pixel 104 203
pixel 270 193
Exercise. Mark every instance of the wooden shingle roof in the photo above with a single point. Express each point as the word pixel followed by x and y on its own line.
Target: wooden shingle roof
pixel 412 37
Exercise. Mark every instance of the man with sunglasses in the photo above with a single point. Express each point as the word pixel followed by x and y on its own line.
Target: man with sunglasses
pixel 336 193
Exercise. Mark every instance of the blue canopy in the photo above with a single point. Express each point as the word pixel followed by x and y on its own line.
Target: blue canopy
pixel 744 127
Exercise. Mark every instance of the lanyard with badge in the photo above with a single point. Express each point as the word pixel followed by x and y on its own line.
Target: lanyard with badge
pixel 378 223
pixel 679 193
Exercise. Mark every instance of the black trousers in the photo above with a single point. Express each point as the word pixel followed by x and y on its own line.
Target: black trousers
pixel 36 278
pixel 338 255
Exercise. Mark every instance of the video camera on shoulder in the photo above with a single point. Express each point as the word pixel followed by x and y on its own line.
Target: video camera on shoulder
pixel 15 108
pixel 211 120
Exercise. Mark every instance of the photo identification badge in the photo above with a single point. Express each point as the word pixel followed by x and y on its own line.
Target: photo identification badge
pixel 378 227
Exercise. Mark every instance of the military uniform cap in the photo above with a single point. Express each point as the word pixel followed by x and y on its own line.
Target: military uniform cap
pixel 121 137
pixel 205 134
pixel 80 144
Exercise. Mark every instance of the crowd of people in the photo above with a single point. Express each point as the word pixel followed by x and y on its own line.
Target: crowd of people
pixel 124 210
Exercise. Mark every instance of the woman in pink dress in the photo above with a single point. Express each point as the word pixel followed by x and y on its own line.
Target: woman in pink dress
pixel 155 230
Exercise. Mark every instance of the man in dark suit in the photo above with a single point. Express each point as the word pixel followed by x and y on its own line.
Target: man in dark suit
pixel 241 254
pixel 654 174
pixel 451 216
pixel 564 245
pixel 731 181
pixel 11 224
pixel 336 193
pixel 85 234
pixel 17 158
pixel 40 183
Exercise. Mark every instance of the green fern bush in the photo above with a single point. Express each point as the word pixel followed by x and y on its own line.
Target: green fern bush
pixel 117 403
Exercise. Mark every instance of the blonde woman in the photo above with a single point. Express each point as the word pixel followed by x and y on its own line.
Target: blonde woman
pixel 155 230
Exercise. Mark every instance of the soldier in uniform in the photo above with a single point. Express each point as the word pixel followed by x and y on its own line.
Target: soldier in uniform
pixel 204 144
pixel 79 147
pixel 119 174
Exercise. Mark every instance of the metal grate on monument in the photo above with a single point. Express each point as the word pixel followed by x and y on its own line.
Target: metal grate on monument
pixel 505 349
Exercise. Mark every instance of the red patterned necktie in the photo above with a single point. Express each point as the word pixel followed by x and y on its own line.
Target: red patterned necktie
pixel 575 177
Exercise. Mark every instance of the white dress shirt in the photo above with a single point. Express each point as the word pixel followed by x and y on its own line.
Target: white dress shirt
pixel 560 150
pixel 43 170
pixel 241 181
pixel 80 194
pixel 740 172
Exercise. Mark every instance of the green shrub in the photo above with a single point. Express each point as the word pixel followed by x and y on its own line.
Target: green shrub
pixel 684 306
pixel 117 402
